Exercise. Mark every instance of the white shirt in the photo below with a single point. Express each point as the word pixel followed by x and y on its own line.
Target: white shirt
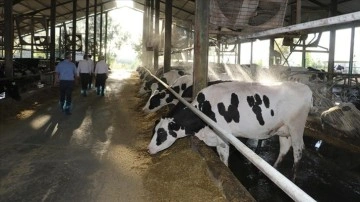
pixel 101 67
pixel 91 63
pixel 83 67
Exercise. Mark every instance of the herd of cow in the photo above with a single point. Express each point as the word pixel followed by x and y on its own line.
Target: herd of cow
pixel 245 109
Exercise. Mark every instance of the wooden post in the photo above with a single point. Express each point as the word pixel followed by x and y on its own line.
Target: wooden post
pixel 106 33
pixel 272 58
pixel 52 34
pixel 156 45
pixel 8 38
pixel 145 33
pixel 101 29
pixel 73 45
pixel 201 45
pixel 94 36
pixel 87 27
pixel 168 23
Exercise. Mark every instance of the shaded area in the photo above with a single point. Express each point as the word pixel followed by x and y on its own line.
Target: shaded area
pixel 326 172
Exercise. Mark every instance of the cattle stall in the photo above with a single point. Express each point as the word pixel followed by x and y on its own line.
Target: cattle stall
pixel 318 142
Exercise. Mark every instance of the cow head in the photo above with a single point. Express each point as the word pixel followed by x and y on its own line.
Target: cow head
pixel 166 132
pixel 344 117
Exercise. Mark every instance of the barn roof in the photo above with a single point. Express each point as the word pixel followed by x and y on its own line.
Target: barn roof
pixel 253 16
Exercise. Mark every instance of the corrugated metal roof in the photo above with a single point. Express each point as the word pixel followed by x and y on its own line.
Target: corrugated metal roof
pixel 183 10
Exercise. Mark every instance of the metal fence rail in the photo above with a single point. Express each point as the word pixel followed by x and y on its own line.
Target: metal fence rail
pixel 279 179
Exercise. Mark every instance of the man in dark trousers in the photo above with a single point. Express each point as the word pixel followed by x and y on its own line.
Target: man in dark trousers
pixel 92 66
pixel 101 74
pixel 65 75
pixel 84 71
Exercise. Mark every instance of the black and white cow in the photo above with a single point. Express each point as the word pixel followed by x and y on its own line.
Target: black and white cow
pixel 344 117
pixel 249 110
pixel 182 86
pixel 168 77
pixel 164 97
pixel 9 89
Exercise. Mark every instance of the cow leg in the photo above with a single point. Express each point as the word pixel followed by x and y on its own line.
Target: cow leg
pixel 285 144
pixel 298 146
pixel 223 151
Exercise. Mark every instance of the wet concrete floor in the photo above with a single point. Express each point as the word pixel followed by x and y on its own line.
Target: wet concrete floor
pixel 326 173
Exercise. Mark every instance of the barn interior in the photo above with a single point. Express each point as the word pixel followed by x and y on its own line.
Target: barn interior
pixel 213 37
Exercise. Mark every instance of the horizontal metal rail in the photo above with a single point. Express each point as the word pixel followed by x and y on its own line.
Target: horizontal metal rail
pixel 279 179
pixel 340 19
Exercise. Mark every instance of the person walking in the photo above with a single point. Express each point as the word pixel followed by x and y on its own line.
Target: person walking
pixel 101 74
pixel 65 76
pixel 84 71
pixel 91 63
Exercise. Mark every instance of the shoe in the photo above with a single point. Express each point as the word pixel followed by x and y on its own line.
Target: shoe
pixel 67 111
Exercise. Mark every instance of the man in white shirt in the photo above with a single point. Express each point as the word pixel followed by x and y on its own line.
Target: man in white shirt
pixel 101 74
pixel 84 71
pixel 92 66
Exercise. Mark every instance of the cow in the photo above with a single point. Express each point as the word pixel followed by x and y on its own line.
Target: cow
pixel 164 97
pixel 244 109
pixel 344 117
pixel 168 77
pixel 182 86
pixel 10 89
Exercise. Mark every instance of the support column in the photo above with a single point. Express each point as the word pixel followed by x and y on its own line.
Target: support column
pixel 94 36
pixel 168 23
pixel 8 38
pixel 332 12
pixel 201 45
pixel 52 34
pixel 239 53
pixel 73 45
pixel 87 27
pixel 157 37
pixel 271 51
pixel 32 36
pixel 106 33
pixel 351 59
pixel 145 34
pixel 101 29
pixel 298 11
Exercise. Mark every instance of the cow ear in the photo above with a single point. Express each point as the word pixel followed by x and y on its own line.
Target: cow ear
pixel 174 126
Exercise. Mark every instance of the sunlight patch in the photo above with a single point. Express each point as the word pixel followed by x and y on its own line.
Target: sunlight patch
pixel 40 121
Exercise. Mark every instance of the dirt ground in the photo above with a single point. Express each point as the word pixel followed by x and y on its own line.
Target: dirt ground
pixel 99 152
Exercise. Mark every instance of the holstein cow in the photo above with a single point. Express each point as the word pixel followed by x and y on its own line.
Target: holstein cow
pixel 249 110
pixel 182 86
pixel 164 97
pixel 10 89
pixel 344 117
pixel 168 77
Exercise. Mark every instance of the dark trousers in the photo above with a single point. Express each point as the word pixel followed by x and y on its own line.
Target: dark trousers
pixel 66 88
pixel 90 81
pixel 100 83
pixel 84 77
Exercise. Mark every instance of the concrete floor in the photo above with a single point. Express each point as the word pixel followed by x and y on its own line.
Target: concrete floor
pixel 96 154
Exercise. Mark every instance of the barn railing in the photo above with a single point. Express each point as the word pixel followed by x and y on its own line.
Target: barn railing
pixel 279 179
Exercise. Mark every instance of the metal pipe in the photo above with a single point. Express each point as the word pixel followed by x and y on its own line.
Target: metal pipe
pixel 346 18
pixel 279 179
